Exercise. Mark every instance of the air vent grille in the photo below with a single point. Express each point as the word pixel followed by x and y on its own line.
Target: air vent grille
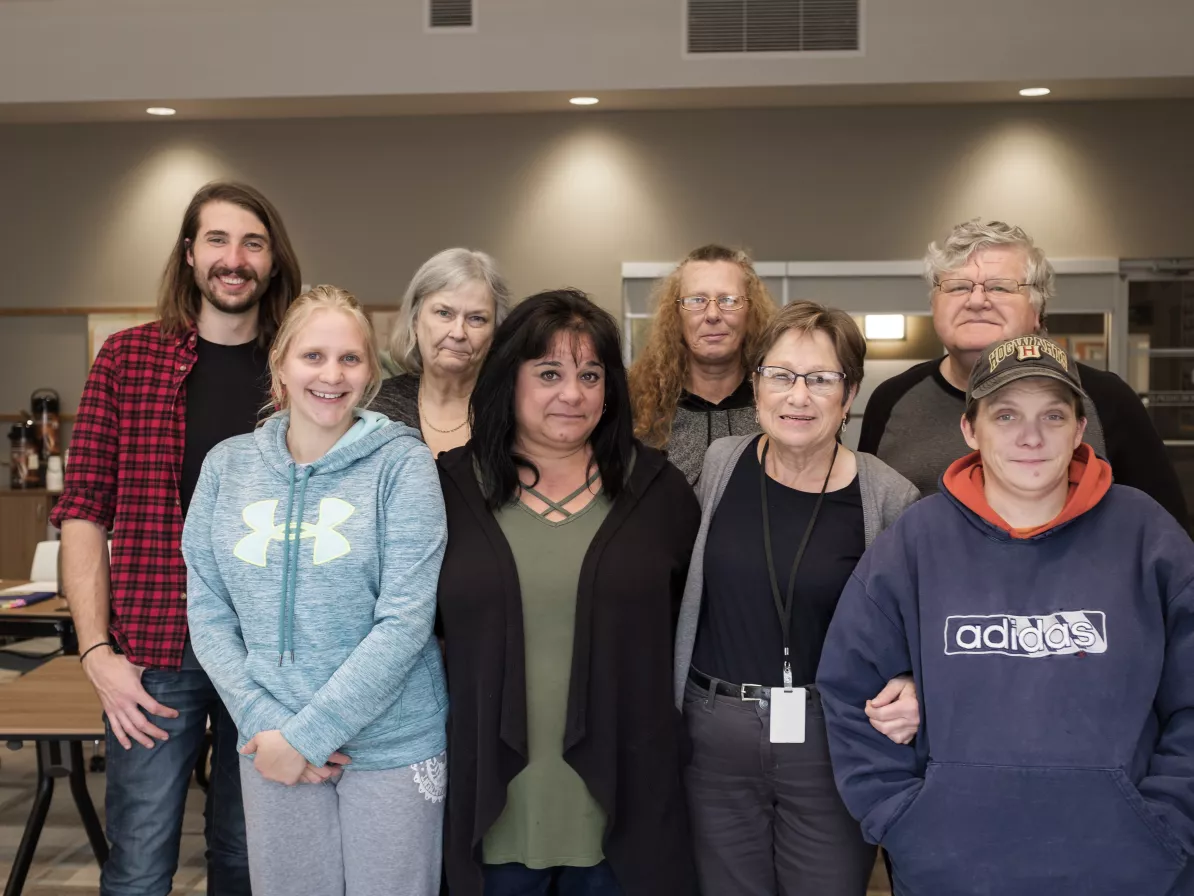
pixel 450 13
pixel 773 26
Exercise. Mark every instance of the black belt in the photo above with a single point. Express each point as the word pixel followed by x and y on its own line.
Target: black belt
pixel 728 689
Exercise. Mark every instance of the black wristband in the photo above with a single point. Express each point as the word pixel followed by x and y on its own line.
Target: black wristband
pixel 83 655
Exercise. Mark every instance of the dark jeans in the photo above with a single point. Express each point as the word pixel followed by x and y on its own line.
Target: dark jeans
pixel 519 880
pixel 147 793
pixel 767 817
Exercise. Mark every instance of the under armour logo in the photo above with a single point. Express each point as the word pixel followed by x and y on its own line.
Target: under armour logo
pixel 329 544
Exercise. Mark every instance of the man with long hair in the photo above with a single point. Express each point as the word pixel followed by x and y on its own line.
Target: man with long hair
pixel 158 398
pixel 691 385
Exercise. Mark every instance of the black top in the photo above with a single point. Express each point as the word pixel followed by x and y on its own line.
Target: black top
pixel 225 391
pixel 742 397
pixel 398 399
pixel 738 637
pixel 623 733
pixel 1133 448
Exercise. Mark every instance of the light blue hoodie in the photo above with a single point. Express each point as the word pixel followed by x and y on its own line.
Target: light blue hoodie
pixel 326 635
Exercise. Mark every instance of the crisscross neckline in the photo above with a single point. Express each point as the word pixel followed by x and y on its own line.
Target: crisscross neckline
pixel 560 506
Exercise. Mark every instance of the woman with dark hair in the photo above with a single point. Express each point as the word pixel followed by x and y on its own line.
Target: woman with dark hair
pixel 568 547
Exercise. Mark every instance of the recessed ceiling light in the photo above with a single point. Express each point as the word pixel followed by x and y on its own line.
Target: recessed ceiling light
pixel 1035 91
pixel 584 101
pixel 161 110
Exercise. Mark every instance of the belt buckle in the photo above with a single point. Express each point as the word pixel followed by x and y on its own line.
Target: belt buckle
pixel 742 693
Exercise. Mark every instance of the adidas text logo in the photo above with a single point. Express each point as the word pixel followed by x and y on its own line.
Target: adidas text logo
pixel 1070 631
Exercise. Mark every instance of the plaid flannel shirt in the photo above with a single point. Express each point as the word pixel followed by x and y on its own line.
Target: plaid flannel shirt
pixel 125 466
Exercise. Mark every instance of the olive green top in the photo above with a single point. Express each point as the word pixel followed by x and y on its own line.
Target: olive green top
pixel 550 818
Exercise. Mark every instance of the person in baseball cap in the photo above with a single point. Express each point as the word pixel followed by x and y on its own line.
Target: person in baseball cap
pixel 1056 753
pixel 1025 419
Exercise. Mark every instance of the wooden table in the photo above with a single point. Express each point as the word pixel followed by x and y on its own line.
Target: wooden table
pixel 47 619
pixel 55 707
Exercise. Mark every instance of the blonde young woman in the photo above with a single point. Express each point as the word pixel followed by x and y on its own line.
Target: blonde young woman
pixel 691 385
pixel 313 548
pixel 454 303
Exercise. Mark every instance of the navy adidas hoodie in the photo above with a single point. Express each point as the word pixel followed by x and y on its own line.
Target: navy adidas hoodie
pixel 1056 678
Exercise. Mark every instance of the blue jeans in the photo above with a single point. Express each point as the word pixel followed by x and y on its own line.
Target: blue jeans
pixel 147 793
pixel 519 880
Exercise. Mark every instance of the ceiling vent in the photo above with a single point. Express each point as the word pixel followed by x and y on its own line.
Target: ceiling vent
pixel 449 14
pixel 773 26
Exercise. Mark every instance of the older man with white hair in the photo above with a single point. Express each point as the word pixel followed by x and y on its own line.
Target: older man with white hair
pixel 991 282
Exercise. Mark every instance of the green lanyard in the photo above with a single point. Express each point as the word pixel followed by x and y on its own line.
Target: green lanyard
pixel 784 609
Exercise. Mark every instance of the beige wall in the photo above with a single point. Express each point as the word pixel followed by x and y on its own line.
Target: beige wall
pixel 91 210
pixel 77 50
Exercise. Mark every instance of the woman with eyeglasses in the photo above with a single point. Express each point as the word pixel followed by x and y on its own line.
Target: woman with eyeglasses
pixel 786 515
pixel 690 386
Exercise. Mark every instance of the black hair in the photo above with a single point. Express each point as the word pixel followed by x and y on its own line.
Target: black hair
pixel 526 335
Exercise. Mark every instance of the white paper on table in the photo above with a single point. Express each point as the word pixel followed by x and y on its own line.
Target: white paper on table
pixel 29 588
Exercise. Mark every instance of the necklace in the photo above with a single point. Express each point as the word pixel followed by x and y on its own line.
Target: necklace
pixel 432 425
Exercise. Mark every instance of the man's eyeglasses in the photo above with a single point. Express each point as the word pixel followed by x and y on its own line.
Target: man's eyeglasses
pixel 699 303
pixel 818 382
pixel 992 289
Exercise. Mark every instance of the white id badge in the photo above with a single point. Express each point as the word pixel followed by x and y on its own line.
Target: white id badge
pixel 787 715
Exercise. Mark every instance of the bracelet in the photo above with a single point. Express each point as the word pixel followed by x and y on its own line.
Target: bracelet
pixel 83 655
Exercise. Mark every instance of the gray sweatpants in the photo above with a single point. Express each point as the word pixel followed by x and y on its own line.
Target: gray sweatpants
pixel 372 833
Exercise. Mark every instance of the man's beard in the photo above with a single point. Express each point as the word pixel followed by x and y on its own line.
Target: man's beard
pixel 242 305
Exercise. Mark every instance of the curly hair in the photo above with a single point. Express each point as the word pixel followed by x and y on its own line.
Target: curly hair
pixel 660 374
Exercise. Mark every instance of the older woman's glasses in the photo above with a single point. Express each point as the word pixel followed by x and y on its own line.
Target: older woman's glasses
pixel 699 303
pixel 992 289
pixel 818 382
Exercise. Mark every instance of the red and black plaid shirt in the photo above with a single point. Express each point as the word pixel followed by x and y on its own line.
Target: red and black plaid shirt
pixel 126 453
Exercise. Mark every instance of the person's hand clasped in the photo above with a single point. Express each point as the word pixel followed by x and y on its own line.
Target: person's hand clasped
pixel 321 774
pixel 895 710
pixel 276 759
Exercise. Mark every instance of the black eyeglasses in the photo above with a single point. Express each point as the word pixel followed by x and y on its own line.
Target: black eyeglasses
pixel 818 382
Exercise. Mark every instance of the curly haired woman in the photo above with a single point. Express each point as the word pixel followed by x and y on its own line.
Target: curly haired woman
pixel 691 386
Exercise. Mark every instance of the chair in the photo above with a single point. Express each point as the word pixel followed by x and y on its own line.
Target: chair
pixel 45 562
pixel 27 654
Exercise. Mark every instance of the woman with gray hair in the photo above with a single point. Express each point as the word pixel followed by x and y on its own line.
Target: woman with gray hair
pixel 445 326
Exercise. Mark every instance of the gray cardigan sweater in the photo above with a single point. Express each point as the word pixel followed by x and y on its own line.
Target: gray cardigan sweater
pixel 885 495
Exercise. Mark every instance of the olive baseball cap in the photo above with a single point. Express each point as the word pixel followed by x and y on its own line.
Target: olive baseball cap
pixel 1014 359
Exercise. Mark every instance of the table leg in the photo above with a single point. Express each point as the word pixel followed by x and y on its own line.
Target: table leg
pixel 70 640
pixel 33 827
pixel 78 789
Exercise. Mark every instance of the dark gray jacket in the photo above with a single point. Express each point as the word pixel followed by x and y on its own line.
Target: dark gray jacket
pixel 699 423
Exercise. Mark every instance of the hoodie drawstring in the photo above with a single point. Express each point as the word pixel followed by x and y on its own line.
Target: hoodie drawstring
pixel 285 570
pixel 298 524
pixel 290 565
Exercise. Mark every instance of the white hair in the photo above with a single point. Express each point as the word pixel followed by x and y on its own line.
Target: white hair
pixel 450 269
pixel 976 234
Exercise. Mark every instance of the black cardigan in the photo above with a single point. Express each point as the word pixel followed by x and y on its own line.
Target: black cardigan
pixel 623 734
